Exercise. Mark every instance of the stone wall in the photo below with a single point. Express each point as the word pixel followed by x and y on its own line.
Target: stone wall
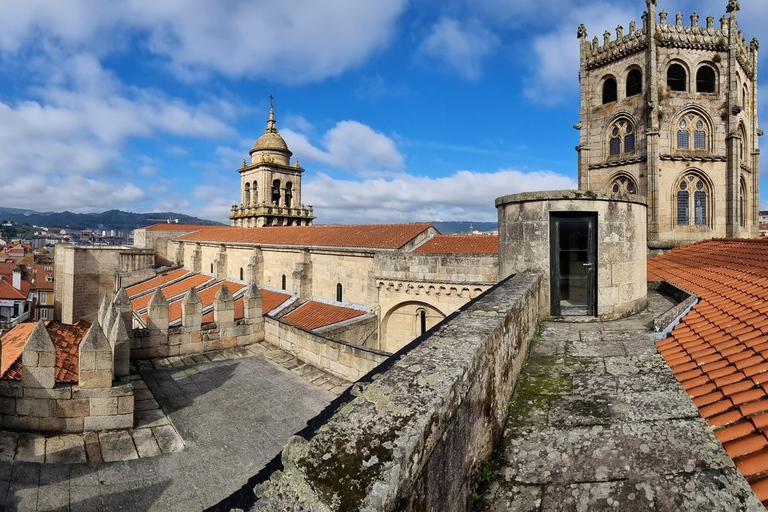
pixel 83 275
pixel 524 243
pixel 158 240
pixel 39 404
pixel 362 331
pixel 350 362
pixel 159 339
pixel 407 283
pixel 414 436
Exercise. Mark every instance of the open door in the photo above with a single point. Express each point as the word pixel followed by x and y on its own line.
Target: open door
pixel 573 264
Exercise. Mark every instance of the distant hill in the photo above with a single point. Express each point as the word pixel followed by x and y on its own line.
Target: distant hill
pixel 449 228
pixel 112 219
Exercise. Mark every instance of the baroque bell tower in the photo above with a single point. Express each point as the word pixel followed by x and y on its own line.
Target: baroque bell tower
pixel 270 187
pixel 669 111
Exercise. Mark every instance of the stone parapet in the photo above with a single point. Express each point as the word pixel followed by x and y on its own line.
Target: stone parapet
pixel 414 436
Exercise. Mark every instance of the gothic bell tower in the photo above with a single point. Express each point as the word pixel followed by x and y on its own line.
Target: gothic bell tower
pixel 669 111
pixel 270 187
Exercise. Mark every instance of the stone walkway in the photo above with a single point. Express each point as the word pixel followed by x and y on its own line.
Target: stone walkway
pixel 234 413
pixel 599 422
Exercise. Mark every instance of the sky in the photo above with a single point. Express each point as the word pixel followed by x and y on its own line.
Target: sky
pixel 399 110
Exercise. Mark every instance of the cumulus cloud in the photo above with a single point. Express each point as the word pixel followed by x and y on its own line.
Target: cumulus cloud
pixel 292 40
pixel 465 195
pixel 349 145
pixel 460 46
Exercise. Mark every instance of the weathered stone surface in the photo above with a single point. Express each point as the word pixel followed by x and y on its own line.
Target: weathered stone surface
pixel 65 449
pixel 30 448
pixel 168 439
pixel 117 446
pixel 145 441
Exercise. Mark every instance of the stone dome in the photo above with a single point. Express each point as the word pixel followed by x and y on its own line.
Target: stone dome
pixel 271 140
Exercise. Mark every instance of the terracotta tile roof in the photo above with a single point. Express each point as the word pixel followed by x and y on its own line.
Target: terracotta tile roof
pixel 206 297
pixel 315 314
pixel 8 292
pixel 460 244
pixel 369 236
pixel 272 299
pixel 719 352
pixel 172 290
pixel 66 338
pixel 153 283
pixel 41 281
pixel 176 227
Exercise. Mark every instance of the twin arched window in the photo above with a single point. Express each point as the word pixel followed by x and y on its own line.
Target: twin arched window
pixel 621 138
pixel 692 132
pixel 623 184
pixel 692 196
pixel 706 78
pixel 634 86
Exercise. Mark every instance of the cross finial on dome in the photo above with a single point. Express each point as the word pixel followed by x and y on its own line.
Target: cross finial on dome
pixel 733 6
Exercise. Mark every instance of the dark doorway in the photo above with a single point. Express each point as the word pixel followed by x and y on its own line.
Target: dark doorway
pixel 573 264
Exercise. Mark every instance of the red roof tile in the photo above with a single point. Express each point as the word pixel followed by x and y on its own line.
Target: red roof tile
pixel 725 334
pixel 368 236
pixel 176 227
pixel 66 338
pixel 460 244
pixel 315 314
pixel 153 283
pixel 172 290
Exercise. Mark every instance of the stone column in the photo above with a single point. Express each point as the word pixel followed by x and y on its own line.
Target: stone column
pixel 652 162
pixel 255 267
pixel 197 259
pixel 38 360
pixel 302 277
pixel 191 310
pixel 96 360
pixel 220 263
pixel 121 348
pixel 179 254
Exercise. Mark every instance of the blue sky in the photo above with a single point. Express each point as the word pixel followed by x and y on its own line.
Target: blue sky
pixel 399 110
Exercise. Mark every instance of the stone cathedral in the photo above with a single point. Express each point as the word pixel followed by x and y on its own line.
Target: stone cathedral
pixel 270 187
pixel 669 111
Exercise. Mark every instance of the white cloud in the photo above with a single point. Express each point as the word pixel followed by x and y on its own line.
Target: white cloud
pixel 349 145
pixel 465 195
pixel 460 46
pixel 291 40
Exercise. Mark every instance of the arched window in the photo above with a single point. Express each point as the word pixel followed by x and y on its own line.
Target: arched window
pixel 211 268
pixel 241 273
pixel 284 283
pixel 742 203
pixel 255 193
pixel 692 126
pixel 692 195
pixel 677 78
pixel 276 192
pixel 634 83
pixel 288 194
pixel 623 184
pixel 421 317
pixel 744 97
pixel 247 198
pixel 339 294
pixel 705 79
pixel 610 93
pixel 621 138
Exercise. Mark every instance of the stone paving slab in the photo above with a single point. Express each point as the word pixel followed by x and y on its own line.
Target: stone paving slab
pixel 599 422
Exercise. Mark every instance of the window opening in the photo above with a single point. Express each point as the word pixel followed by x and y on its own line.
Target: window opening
pixel 283 282
pixel 610 93
pixel 621 138
pixel 276 192
pixel 634 83
pixel 692 126
pixel 422 321
pixel 695 202
pixel 705 79
pixel 339 291
pixel 677 78
pixel 623 185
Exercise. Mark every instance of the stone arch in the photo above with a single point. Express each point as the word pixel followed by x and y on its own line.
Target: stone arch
pixel 743 202
pixel 707 77
pixel 620 136
pixel 700 113
pixel 400 325
pixel 625 181
pixel 689 188
pixel 634 81
pixel 609 89
pixel 678 74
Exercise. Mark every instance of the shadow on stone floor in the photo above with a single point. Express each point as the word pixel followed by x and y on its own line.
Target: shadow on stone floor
pixel 177 388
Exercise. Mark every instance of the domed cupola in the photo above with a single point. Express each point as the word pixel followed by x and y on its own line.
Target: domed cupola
pixel 271 147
